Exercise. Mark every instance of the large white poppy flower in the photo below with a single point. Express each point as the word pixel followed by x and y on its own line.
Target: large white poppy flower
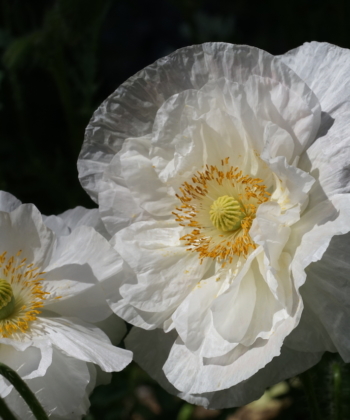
pixel 52 308
pixel 222 172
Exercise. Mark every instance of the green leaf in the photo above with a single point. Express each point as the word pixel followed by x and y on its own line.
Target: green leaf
pixel 19 50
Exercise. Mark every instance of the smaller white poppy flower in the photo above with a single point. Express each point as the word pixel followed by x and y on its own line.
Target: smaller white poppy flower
pixel 52 308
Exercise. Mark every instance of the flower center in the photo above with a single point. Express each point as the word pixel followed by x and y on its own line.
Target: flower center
pixel 21 294
pixel 220 205
pixel 226 214
pixel 7 300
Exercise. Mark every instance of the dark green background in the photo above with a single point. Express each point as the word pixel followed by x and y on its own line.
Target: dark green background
pixel 60 59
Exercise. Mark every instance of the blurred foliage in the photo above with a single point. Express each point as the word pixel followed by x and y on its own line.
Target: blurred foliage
pixel 48 69
pixel 60 59
pixel 133 395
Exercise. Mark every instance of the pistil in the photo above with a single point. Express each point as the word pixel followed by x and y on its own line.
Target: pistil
pixel 226 214
pixel 7 300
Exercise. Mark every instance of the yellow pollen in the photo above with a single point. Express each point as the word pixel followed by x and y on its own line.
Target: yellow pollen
pixel 220 205
pixel 21 294
pixel 226 213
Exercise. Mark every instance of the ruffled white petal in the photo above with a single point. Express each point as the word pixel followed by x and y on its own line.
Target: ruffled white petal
pixel 138 171
pixel 165 271
pixel 193 319
pixel 195 128
pixel 64 223
pixel 131 109
pixel 8 202
pixel 57 225
pixel 114 327
pixel 118 207
pixel 151 350
pixel 315 231
pixel 326 294
pixel 325 278
pixel 80 216
pixel 85 342
pixel 192 374
pixel 324 67
pixel 23 230
pixel 121 306
pixel 78 262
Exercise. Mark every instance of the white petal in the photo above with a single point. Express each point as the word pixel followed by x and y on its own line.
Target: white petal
pixel 193 125
pixel 295 181
pixel 114 327
pixel 130 111
pixel 61 391
pixel 80 216
pixel 79 261
pixel 8 202
pixel 193 319
pixel 315 231
pixel 195 128
pixel 56 224
pixel 272 105
pixel 204 139
pixel 324 67
pixel 85 342
pixel 233 310
pixel 326 292
pixel 288 364
pixel 151 349
pixel 166 272
pixel 191 374
pixel 142 180
pixel 121 306
pixel 276 103
pixel 118 208
pixel 205 319
pixel 310 335
pixel 23 229
pixel 269 232
pixel 29 360
pixel 74 298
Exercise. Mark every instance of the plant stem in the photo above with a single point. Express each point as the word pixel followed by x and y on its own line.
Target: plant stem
pixel 185 412
pixel 5 412
pixel 310 393
pixel 24 390
pixel 337 382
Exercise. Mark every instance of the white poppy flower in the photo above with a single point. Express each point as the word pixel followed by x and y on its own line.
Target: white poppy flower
pixel 222 173
pixel 52 308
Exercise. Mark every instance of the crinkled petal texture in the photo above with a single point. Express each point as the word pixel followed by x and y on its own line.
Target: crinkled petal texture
pixel 205 168
pixel 55 335
pixel 64 223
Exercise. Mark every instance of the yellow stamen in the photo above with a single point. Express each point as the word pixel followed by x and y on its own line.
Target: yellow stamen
pixel 220 205
pixel 23 283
